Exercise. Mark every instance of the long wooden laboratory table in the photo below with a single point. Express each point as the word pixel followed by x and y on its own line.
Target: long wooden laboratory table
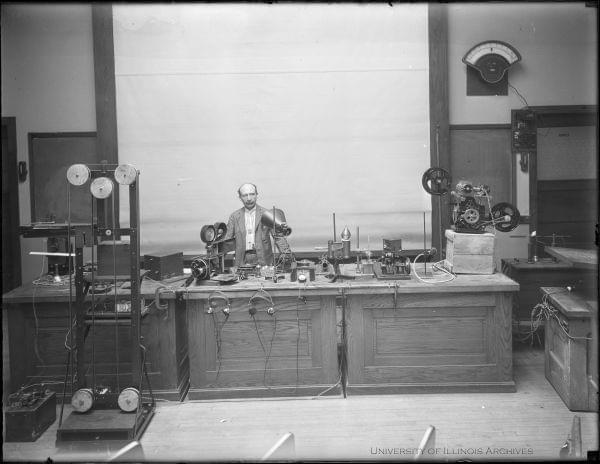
pixel 37 320
pixel 453 336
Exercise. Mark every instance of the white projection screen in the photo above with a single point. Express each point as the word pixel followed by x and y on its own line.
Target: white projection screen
pixel 324 106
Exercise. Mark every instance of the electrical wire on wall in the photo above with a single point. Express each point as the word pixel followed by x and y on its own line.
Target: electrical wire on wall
pixel 519 94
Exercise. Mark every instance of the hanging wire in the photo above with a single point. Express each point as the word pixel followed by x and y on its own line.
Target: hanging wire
pixel 35 317
pixel 93 307
pixel 114 246
pixel 71 250
pixel 519 94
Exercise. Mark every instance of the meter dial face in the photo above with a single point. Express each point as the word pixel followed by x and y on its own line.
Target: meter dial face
pixel 101 187
pixel 129 399
pixel 82 400
pixel 78 174
pixel 125 174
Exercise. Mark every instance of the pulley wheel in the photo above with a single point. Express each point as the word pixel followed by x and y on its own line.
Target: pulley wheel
pixel 506 217
pixel 82 400
pixel 129 399
pixel 436 181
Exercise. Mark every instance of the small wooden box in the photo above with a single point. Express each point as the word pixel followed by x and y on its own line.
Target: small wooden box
pixel 571 348
pixel 469 253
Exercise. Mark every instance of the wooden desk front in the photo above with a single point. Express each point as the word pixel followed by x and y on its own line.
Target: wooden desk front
pixel 38 321
pixel 453 336
pixel 290 353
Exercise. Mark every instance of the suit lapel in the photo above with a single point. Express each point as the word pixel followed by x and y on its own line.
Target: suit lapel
pixel 259 212
pixel 241 223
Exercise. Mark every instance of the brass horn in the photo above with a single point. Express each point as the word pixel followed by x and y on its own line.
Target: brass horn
pixel 278 224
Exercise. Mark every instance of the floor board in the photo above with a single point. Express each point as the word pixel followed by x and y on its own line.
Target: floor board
pixel 531 424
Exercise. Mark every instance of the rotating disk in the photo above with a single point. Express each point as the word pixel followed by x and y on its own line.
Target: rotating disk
pixel 78 174
pixel 436 181
pixel 129 399
pixel 82 400
pixel 200 268
pixel 125 174
pixel 506 217
pixel 101 187
pixel 471 216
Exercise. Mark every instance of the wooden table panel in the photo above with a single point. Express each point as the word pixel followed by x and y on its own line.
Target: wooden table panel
pixel 452 342
pixel 38 330
pixel 292 352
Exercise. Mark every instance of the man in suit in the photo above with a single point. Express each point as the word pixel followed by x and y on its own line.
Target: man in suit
pixel 252 237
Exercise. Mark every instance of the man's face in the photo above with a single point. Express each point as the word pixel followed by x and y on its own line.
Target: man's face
pixel 248 196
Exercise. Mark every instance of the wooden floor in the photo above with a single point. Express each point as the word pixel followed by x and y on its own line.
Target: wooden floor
pixel 531 424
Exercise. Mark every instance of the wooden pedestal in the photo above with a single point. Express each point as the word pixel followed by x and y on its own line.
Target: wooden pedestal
pixel 469 253
pixel 571 361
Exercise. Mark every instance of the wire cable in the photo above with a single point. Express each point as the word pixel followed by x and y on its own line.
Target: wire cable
pixel 519 94
pixel 435 266
pixel 270 349
pixel 35 317
pixel 218 341
pixel 114 246
pixel 545 311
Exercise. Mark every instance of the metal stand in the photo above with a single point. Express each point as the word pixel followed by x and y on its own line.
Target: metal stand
pixel 105 420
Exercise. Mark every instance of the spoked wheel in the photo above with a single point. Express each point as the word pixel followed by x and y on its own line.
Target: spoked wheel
pixel 506 217
pixel 436 181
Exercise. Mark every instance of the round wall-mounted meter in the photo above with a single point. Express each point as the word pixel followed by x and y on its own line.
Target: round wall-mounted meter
pixel 492 58
pixel 101 187
pixel 78 174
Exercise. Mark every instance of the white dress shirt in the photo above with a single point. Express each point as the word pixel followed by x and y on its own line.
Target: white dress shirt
pixel 250 216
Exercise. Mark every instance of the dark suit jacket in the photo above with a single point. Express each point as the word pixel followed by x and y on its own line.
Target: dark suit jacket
pixel 236 229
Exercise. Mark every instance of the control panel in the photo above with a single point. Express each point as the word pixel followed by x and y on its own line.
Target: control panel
pixel 523 136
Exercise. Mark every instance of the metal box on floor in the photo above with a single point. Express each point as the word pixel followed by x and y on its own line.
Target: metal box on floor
pixel 27 423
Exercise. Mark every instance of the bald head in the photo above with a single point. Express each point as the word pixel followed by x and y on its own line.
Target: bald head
pixel 248 187
pixel 248 193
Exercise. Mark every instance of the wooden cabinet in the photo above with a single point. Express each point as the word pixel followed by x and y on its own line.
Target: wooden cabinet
pixel 545 272
pixel 448 337
pixel 38 332
pixel 292 352
pixel 571 349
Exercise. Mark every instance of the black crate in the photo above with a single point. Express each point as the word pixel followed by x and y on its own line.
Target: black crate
pixel 27 423
pixel 163 266
pixel 114 259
